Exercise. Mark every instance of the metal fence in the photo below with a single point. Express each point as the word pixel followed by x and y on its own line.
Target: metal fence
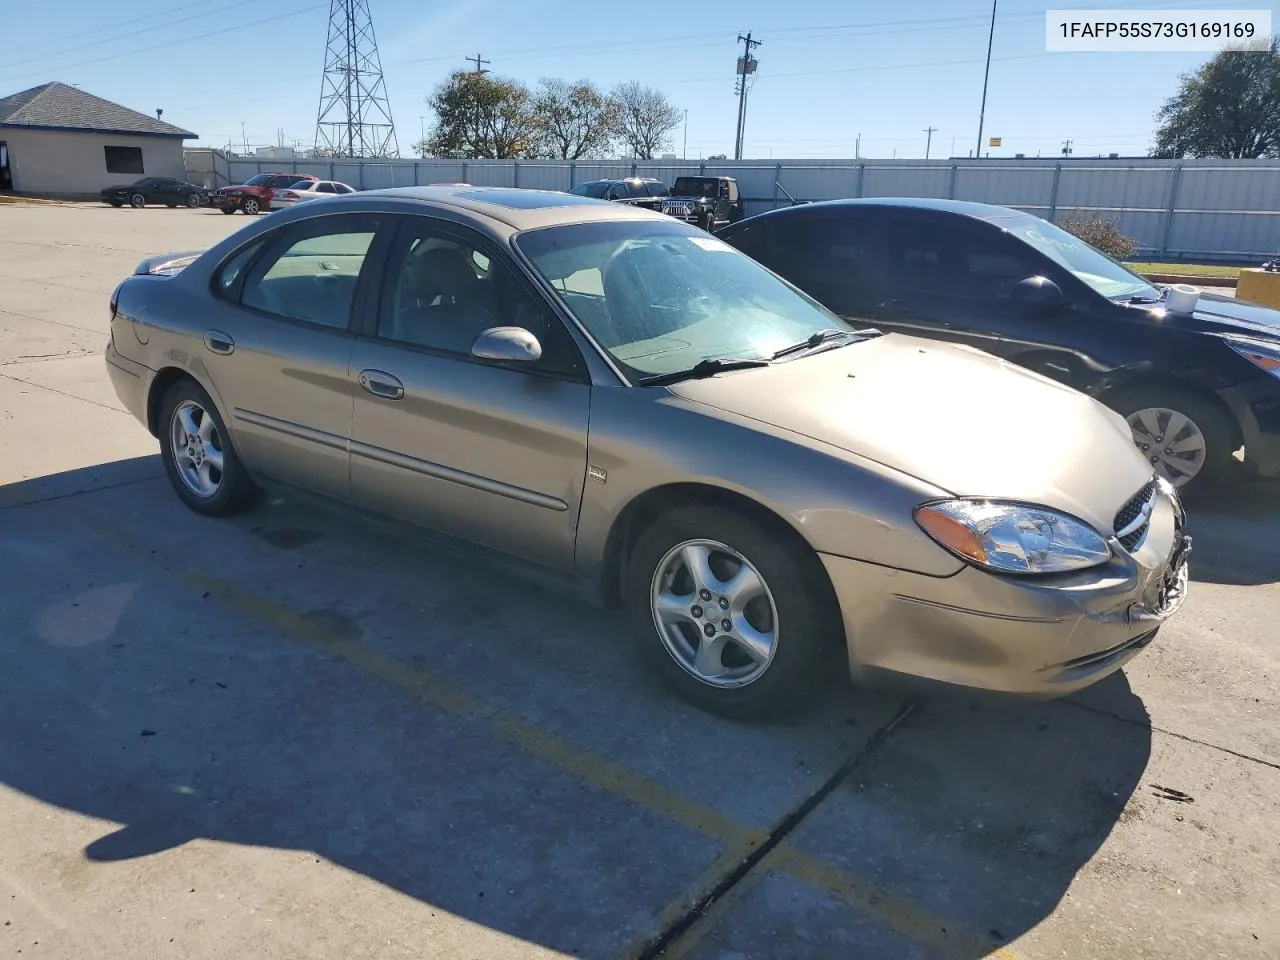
pixel 1225 210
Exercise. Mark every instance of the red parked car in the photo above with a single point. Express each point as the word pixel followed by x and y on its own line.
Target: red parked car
pixel 254 195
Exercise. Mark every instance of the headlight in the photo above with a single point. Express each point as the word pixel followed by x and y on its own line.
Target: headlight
pixel 1259 353
pixel 1011 537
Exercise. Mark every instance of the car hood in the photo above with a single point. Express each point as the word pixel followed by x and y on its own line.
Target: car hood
pixel 1218 314
pixel 952 416
pixel 692 199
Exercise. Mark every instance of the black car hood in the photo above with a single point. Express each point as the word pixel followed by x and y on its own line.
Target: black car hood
pixel 1218 314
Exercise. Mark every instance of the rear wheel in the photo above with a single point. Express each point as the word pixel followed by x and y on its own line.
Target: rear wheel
pixel 193 200
pixel 250 205
pixel 117 203
pixel 228 210
pixel 730 616
pixel 137 201
pixel 1187 439
pixel 198 456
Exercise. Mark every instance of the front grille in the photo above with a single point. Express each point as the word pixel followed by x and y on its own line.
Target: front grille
pixel 677 209
pixel 1134 517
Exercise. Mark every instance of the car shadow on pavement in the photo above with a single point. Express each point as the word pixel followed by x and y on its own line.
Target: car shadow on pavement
pixel 129 697
pixel 1236 535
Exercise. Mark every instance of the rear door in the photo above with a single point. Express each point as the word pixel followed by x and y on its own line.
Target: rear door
pixel 278 348
pixel 494 454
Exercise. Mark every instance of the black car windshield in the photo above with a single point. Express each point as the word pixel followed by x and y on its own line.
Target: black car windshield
pixel 596 188
pixel 660 297
pixel 695 187
pixel 1087 263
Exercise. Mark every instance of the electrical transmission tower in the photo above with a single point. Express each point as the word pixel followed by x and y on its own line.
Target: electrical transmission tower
pixel 355 115
pixel 746 73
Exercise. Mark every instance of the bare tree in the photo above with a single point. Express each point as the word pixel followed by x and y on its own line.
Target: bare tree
pixel 646 118
pixel 480 116
pixel 576 119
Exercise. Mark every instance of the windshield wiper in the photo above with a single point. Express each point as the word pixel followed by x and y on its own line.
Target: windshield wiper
pixel 825 336
pixel 703 368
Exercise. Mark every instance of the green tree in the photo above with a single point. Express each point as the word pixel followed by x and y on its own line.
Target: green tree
pixel 646 118
pixel 1229 108
pixel 576 120
pixel 479 116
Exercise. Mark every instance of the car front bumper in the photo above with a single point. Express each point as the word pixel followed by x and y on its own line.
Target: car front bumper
pixel 223 201
pixel 1035 637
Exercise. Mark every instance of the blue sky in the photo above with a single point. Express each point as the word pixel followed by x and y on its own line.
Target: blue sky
pixel 829 70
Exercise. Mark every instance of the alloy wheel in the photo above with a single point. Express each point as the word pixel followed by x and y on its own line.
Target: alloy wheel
pixel 193 200
pixel 714 613
pixel 1171 441
pixel 250 206
pixel 197 449
pixel 137 201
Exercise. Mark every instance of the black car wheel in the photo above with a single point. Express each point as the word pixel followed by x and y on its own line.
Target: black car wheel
pixel 116 203
pixel 193 200
pixel 137 201
pixel 709 222
pixel 731 615
pixel 227 209
pixel 1187 438
pixel 250 205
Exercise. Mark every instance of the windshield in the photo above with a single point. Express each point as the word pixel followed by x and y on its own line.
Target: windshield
pixel 1087 263
pixel 259 180
pixel 657 189
pixel 695 187
pixel 596 188
pixel 660 297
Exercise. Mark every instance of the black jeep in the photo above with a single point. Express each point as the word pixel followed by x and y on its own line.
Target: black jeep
pixel 708 202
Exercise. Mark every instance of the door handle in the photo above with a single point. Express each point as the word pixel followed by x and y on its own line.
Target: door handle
pixel 219 342
pixel 381 384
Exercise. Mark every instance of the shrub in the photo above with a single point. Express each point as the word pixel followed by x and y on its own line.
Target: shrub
pixel 1103 234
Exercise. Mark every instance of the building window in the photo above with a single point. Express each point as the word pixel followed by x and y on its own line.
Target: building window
pixel 124 159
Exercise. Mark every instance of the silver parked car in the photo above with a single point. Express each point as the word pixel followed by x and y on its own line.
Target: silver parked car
pixel 305 190
pixel 619 397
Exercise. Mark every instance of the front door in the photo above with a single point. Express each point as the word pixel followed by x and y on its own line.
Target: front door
pixel 490 453
pixel 6 173
pixel 278 349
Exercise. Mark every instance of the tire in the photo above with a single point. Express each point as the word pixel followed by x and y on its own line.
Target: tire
pixel 137 201
pixel 250 206
pixel 117 203
pixel 228 210
pixel 794 611
pixel 709 223
pixel 171 206
pixel 193 200
pixel 230 489
pixel 1147 409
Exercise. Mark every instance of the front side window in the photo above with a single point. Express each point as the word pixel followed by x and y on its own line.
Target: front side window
pixel 123 159
pixel 950 256
pixel 311 274
pixel 660 297
pixel 696 187
pixel 1086 263
pixel 320 188
pixel 442 291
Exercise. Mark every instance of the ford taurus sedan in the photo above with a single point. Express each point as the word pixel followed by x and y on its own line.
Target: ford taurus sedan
pixel 622 399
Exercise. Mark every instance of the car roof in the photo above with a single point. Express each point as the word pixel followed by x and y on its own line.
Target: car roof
pixel 517 207
pixel 962 208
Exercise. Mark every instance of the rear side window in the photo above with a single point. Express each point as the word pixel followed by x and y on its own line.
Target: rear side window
pixel 322 188
pixel 310 273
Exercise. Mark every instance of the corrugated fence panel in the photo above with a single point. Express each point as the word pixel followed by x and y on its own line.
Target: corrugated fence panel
pixel 1228 188
pixel 1225 235
pixel 544 176
pixel 601 171
pixel 666 172
pixel 819 183
pixel 1026 188
pixel 1114 188
pixel 436 171
pixel 892 181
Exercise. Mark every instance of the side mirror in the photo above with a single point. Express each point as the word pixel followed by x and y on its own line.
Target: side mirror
pixel 1039 292
pixel 507 344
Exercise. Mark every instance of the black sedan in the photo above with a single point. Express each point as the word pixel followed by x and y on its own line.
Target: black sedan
pixel 166 190
pixel 1195 383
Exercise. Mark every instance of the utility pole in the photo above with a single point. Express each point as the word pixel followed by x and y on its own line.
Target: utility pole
pixel 746 67
pixel 857 147
pixel 1066 147
pixel 245 137
pixel 684 151
pixel 477 61
pixel 422 136
pixel 982 112
pixel 929 132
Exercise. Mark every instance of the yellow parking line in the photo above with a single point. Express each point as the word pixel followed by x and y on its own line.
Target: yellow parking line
pixel 739 840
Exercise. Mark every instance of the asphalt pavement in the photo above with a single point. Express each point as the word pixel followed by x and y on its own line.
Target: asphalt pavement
pixel 296 734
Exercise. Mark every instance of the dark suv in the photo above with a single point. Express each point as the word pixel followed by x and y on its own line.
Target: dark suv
pixel 1195 381
pixel 254 195
pixel 627 190
pixel 707 202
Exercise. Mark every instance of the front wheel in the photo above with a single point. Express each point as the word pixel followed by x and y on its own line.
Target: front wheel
pixel 193 200
pixel 250 205
pixel 1186 438
pixel 730 615
pixel 137 201
pixel 198 456
pixel 228 210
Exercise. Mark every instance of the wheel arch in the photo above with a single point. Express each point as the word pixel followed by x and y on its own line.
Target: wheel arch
pixel 164 380
pixel 652 503
pixel 1151 379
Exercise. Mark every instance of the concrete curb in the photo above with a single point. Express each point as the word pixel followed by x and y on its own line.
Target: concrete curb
pixel 1193 280
pixel 7 198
